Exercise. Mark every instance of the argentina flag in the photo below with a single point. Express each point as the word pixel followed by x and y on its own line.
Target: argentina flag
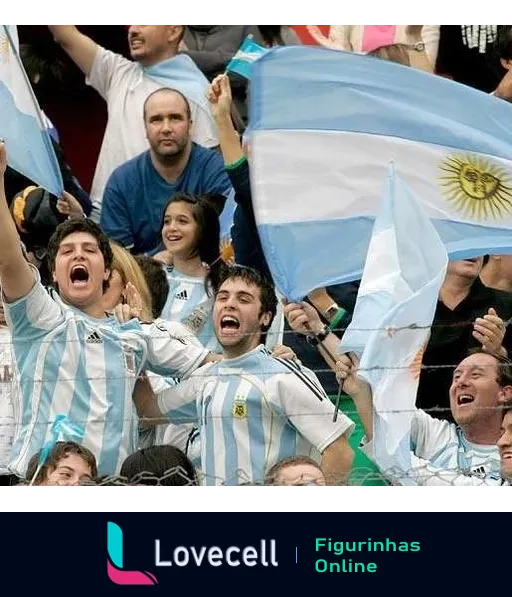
pixel 242 62
pixel 324 126
pixel 29 148
pixel 404 270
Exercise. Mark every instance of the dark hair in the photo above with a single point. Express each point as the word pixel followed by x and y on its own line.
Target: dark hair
pixel 253 277
pixel 506 408
pixel 503 366
pixel 208 244
pixel 271 35
pixel 168 90
pixel 83 225
pixel 273 472
pixel 42 59
pixel 504 42
pixel 60 451
pixel 159 465
pixel 157 281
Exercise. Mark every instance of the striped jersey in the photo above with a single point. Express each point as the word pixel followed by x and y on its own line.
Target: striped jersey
pixel 189 303
pixel 441 455
pixel 8 388
pixel 252 412
pixel 86 368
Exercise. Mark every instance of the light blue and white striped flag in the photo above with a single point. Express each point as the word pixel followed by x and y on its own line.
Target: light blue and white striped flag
pixel 29 149
pixel 325 125
pixel 243 61
pixel 404 270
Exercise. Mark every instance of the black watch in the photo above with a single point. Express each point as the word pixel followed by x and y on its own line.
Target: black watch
pixel 316 339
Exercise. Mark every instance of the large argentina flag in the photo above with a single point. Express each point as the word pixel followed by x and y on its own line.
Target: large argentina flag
pixel 29 149
pixel 325 125
pixel 403 273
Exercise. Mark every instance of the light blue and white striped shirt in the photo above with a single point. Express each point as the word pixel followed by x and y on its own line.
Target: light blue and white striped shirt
pixel 254 411
pixel 189 303
pixel 86 368
pixel 441 455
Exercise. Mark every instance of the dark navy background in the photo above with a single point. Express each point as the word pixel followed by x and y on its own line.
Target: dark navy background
pixel 67 553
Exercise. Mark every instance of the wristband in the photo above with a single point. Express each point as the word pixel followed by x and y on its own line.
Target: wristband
pixel 331 311
pixel 234 165
pixel 316 339
pixel 337 318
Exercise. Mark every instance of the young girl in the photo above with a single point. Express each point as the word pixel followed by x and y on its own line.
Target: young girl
pixel 191 236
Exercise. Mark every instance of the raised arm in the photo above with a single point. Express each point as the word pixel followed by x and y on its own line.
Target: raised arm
pixel 80 48
pixel 360 392
pixel 304 319
pixel 16 277
pixel 219 96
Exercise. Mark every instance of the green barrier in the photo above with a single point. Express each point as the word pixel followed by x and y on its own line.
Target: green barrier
pixel 364 472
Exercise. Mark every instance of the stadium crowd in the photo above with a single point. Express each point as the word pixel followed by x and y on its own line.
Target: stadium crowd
pixel 139 347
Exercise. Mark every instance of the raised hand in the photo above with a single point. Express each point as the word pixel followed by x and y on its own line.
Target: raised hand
pixel 132 307
pixel 303 318
pixel 346 369
pixel 219 96
pixel 489 330
pixel 67 205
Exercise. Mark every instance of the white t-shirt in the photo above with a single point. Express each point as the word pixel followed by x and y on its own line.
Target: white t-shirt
pixel 8 387
pixel 124 87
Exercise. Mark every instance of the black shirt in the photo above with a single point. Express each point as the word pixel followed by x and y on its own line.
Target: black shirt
pixel 450 341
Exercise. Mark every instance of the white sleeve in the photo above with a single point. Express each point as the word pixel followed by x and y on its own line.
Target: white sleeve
pixel 179 435
pixel 428 435
pixel 308 407
pixel 106 70
pixel 173 350
pixel 204 129
pixel 34 314
pixel 179 403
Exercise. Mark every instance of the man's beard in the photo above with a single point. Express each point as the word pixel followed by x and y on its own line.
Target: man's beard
pixel 167 159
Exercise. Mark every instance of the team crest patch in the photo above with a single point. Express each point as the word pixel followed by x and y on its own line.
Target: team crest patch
pixel 129 360
pixel 240 409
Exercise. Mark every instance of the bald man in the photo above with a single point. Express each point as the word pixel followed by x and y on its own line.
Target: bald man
pixel 137 191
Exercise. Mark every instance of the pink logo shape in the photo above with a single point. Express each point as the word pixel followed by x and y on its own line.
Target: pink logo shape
pixel 129 577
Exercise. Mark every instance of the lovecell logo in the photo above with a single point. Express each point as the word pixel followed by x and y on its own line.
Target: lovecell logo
pixel 115 570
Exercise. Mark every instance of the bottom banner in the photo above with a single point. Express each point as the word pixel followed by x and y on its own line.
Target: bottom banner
pixel 230 554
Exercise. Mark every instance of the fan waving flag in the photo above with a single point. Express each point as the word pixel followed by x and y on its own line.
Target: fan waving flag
pixel 325 124
pixel 404 270
pixel 29 149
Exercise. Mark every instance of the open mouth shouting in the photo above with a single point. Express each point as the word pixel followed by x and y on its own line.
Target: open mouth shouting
pixel 229 325
pixel 463 399
pixel 79 276
pixel 136 42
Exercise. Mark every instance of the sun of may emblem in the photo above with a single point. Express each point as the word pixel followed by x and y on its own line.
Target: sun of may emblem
pixel 476 187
